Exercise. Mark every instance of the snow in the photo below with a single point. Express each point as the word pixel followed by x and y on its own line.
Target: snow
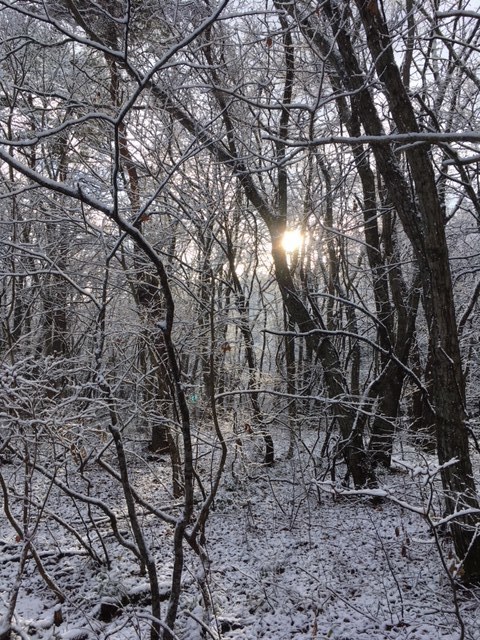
pixel 75 634
pixel 287 559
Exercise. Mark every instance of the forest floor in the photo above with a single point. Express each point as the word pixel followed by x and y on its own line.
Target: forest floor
pixel 289 559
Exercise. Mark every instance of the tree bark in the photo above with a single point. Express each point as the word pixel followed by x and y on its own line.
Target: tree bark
pixel 425 226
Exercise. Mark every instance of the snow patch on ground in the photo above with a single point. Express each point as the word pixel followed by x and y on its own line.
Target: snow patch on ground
pixel 287 561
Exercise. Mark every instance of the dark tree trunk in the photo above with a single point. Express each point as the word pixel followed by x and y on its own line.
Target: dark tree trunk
pixel 381 441
pixel 388 388
pixel 425 227
pixel 422 415
pixel 350 426
pixel 290 369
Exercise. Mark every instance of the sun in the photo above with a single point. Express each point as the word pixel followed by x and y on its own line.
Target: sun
pixel 292 240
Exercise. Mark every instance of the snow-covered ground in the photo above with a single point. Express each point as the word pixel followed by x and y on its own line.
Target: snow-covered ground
pixel 287 560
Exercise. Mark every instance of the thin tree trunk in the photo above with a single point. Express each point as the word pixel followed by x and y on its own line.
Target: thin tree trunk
pixel 249 343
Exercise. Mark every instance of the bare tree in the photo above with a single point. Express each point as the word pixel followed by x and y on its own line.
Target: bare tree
pixel 424 223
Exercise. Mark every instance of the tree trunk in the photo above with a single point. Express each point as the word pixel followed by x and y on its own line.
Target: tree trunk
pixel 350 426
pixel 391 377
pixel 425 227
pixel 245 329
pixel 422 416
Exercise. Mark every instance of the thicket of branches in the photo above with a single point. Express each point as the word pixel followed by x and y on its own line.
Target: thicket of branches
pixel 154 157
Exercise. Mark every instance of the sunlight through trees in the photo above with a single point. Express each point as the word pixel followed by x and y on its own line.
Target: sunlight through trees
pixel 239 339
